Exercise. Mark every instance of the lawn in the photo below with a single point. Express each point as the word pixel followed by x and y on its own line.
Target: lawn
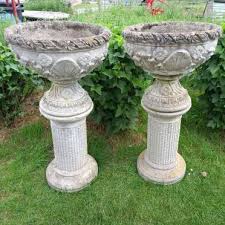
pixel 47 5
pixel 118 196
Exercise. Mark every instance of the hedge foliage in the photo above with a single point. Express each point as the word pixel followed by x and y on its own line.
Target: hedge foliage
pixel 116 87
pixel 3 25
pixel 210 80
pixel 16 82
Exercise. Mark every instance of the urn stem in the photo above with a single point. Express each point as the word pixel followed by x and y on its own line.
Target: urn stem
pixel 162 142
pixel 70 144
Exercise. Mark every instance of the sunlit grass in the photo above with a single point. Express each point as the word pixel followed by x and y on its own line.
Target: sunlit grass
pixel 122 16
pixel 118 195
pixel 47 5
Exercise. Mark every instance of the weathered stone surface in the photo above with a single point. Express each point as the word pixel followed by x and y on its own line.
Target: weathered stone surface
pixel 74 2
pixel 171 49
pixel 58 36
pixel 44 15
pixel 167 50
pixel 64 52
pixel 172 33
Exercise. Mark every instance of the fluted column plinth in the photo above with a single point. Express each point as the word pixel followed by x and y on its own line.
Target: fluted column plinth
pixel 67 106
pixel 165 102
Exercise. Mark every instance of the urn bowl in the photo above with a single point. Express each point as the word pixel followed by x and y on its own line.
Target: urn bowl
pixel 171 48
pixel 60 51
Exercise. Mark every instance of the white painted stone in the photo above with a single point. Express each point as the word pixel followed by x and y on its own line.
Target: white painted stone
pixel 64 52
pixel 169 51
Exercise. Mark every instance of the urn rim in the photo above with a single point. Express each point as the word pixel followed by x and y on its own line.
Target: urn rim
pixel 179 33
pixel 57 35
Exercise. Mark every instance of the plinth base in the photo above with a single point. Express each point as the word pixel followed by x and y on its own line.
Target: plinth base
pixel 164 177
pixel 72 181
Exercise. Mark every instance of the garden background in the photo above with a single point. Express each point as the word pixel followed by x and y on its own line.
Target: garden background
pixel 118 195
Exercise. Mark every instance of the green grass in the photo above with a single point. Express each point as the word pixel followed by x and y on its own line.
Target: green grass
pixel 47 5
pixel 118 196
pixel 121 16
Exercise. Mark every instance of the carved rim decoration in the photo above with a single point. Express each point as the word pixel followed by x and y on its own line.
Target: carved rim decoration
pixel 172 33
pixel 57 35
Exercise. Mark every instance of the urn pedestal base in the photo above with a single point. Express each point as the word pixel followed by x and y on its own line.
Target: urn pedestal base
pixel 169 51
pixel 64 52
pixel 72 181
pixel 67 106
pixel 165 102
pixel 159 176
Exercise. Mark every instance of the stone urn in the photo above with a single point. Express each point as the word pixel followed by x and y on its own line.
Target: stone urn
pixel 64 52
pixel 168 51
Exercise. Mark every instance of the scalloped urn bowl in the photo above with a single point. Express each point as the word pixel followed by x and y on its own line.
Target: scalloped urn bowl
pixel 59 51
pixel 171 48
pixel 168 51
pixel 64 52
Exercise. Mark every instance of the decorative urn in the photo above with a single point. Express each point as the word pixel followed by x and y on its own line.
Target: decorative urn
pixel 168 51
pixel 64 52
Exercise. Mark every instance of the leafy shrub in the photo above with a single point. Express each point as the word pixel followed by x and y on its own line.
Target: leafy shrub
pixel 16 82
pixel 3 25
pixel 48 5
pixel 117 85
pixel 116 88
pixel 211 82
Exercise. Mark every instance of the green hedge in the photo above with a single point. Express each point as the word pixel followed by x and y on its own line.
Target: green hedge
pixel 210 80
pixel 116 88
pixel 3 25
pixel 16 82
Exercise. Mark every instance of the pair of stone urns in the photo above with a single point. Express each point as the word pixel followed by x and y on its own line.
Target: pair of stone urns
pixel 64 52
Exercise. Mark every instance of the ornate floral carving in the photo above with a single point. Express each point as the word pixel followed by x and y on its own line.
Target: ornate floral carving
pixel 84 59
pixel 66 99
pixel 44 60
pixel 171 48
pixel 24 60
pixel 60 66
pixel 166 96
pixel 170 60
pixel 160 54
